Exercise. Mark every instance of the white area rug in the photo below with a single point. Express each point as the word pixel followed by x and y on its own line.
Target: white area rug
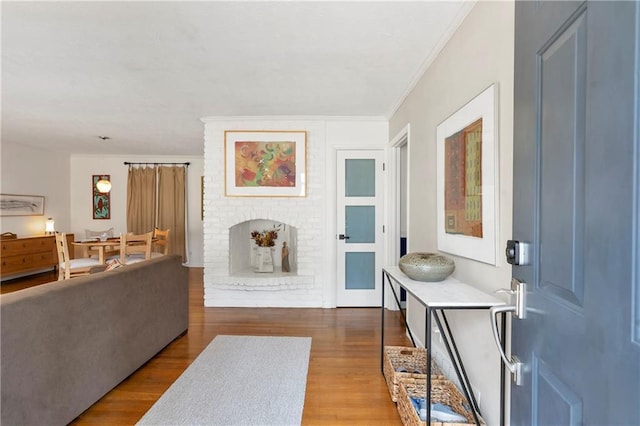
pixel 238 380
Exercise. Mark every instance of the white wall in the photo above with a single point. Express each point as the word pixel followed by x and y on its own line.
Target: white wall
pixel 314 216
pixel 82 167
pixel 478 54
pixel 31 171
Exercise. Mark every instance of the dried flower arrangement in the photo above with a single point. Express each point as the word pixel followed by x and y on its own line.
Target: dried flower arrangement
pixel 266 238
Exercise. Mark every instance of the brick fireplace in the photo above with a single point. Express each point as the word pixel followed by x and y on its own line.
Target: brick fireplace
pixel 228 277
pixel 233 278
pixel 313 282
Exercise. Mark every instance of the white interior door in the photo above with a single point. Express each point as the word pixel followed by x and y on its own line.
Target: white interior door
pixel 359 236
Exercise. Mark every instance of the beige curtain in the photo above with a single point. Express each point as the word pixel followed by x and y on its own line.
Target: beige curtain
pixel 171 207
pixel 141 199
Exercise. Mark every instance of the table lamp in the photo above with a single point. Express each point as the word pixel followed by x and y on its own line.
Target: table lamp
pixel 49 228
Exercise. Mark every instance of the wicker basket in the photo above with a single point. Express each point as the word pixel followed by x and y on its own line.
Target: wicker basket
pixel 409 359
pixel 443 391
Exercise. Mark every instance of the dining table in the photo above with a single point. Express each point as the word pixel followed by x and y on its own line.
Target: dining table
pixel 105 248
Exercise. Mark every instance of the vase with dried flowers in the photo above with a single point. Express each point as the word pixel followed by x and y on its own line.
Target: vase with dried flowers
pixel 264 240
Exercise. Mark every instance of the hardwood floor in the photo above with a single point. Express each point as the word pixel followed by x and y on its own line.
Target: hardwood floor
pixel 29 281
pixel 344 384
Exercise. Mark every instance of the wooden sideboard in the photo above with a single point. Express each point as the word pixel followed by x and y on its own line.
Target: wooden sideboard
pixel 30 254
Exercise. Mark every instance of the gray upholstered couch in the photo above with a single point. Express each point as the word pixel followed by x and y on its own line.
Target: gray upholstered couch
pixel 67 343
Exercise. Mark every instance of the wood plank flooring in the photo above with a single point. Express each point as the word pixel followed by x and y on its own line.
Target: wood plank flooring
pixel 344 386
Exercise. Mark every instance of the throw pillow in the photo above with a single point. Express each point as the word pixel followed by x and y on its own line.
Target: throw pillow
pixel 113 264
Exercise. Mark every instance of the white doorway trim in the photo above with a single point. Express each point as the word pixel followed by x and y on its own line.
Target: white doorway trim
pixel 394 199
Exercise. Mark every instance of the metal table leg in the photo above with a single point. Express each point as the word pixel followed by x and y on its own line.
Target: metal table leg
pixel 454 355
pixel 427 344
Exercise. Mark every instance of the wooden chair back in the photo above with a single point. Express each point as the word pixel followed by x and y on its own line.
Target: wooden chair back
pixel 66 269
pixel 161 242
pixel 136 247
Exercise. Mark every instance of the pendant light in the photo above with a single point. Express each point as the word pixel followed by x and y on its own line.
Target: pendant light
pixel 103 185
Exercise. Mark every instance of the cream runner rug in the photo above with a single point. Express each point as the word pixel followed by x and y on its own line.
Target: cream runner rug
pixel 238 380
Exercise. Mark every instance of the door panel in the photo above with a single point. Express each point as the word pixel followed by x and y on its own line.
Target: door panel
pixel 359 177
pixel 557 403
pixel 575 119
pixel 359 218
pixel 360 270
pixel 360 222
pixel 561 88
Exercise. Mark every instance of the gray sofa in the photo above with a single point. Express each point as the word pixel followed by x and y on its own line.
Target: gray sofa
pixel 65 344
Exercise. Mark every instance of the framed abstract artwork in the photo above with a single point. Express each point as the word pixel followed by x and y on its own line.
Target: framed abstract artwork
pixel 21 205
pixel 265 163
pixel 467 207
pixel 101 201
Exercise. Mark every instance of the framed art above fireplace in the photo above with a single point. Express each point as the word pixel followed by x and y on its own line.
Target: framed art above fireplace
pixel 265 163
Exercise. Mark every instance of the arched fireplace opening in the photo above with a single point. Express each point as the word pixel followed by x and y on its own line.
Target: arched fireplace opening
pixel 244 250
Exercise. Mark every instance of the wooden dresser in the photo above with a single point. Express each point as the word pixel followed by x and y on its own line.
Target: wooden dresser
pixel 30 254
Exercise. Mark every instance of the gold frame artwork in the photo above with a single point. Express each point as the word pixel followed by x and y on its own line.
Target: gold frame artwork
pixel 265 163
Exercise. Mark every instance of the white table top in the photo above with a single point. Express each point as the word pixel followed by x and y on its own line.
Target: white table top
pixel 449 293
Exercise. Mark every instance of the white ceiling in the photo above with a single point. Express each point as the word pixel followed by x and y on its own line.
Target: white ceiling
pixel 144 73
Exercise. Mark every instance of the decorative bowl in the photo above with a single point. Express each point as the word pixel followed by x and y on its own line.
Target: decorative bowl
pixel 426 266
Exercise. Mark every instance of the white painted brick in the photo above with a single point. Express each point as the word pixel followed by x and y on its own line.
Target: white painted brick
pixel 307 215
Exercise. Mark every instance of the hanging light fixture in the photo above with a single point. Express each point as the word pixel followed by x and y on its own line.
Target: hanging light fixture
pixel 49 227
pixel 103 185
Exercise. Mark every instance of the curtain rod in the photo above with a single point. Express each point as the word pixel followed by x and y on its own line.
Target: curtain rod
pixel 126 163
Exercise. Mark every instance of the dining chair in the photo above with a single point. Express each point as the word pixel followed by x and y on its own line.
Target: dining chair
pixel 135 248
pixel 67 267
pixel 160 246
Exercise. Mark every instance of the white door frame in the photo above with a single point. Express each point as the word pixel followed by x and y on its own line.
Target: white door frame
pixel 392 200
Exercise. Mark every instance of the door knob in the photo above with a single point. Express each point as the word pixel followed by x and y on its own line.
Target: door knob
pixel 513 364
pixel 518 310
pixel 343 237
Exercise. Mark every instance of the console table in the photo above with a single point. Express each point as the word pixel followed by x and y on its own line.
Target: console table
pixel 29 254
pixel 437 297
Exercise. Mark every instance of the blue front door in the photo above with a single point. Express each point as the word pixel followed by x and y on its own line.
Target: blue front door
pixel 576 195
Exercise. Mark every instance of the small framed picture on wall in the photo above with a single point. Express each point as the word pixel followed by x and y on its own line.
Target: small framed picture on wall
pixel 101 200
